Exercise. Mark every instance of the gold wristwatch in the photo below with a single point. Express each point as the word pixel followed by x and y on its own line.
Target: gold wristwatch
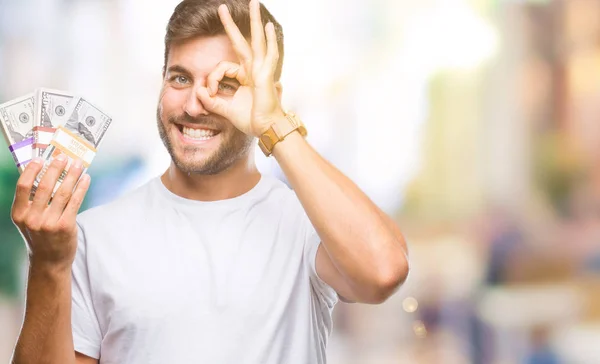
pixel 279 130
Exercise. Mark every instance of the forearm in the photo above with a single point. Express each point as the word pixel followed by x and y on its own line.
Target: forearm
pixel 363 243
pixel 46 336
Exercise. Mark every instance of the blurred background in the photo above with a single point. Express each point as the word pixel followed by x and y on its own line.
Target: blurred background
pixel 474 123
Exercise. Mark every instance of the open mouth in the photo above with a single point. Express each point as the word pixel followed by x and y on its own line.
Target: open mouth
pixel 197 134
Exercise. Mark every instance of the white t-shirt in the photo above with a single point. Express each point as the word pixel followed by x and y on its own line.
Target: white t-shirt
pixel 161 279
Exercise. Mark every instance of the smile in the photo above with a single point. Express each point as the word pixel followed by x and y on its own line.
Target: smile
pixel 197 134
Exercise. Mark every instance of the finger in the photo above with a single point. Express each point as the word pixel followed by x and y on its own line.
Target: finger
pixel 24 185
pixel 224 69
pixel 72 208
pixel 64 192
pixel 240 45
pixel 272 48
pixel 257 32
pixel 213 104
pixel 46 185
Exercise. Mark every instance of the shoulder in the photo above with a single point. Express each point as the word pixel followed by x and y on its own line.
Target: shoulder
pixel 123 208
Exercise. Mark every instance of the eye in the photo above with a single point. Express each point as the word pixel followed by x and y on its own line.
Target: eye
pixel 179 80
pixel 227 88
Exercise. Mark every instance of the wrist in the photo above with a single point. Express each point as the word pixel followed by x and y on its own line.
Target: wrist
pixel 266 125
pixel 291 142
pixel 50 268
pixel 287 125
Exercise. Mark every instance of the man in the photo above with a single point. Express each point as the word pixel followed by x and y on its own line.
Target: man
pixel 211 262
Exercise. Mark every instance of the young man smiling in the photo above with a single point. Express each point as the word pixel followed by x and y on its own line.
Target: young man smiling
pixel 211 262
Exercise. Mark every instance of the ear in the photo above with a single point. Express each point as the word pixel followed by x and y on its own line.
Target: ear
pixel 279 89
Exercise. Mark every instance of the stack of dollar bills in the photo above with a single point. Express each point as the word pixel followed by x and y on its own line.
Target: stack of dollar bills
pixel 49 122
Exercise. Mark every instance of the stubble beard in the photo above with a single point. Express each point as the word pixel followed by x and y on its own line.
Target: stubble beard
pixel 234 146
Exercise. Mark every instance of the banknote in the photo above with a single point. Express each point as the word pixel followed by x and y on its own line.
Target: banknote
pixel 78 138
pixel 87 121
pixel 50 110
pixel 17 122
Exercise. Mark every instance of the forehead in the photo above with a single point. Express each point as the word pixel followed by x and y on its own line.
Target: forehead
pixel 202 54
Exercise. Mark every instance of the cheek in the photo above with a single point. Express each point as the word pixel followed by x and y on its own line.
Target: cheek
pixel 172 101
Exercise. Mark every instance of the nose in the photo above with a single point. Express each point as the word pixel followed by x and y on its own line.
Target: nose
pixel 193 106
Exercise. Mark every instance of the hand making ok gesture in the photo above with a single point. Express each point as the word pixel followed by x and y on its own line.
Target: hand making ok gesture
pixel 255 105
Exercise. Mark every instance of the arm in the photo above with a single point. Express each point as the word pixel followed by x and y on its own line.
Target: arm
pixel 363 255
pixel 48 306
pixel 51 236
pixel 46 331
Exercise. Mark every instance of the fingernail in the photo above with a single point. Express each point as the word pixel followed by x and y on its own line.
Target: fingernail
pixel 78 163
pixel 37 160
pixel 61 157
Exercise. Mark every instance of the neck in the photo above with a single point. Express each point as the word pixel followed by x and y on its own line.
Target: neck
pixel 238 179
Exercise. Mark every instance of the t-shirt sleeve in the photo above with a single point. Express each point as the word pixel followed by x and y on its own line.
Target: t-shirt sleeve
pixel 312 241
pixel 86 328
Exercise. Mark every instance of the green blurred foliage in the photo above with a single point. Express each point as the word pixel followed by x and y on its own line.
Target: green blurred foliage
pixel 11 243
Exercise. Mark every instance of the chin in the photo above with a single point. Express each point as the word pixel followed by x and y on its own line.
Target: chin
pixel 199 160
pixel 195 164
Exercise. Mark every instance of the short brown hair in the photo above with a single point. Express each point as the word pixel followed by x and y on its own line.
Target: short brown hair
pixel 194 18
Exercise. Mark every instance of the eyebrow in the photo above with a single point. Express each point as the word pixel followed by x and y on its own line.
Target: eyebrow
pixel 182 70
pixel 178 69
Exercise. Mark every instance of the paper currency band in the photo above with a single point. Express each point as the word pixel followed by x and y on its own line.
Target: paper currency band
pixel 73 146
pixel 21 152
pixel 42 136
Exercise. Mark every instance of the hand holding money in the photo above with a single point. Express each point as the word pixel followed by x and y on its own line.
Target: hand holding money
pixel 48 123
pixel 77 136
pixel 50 229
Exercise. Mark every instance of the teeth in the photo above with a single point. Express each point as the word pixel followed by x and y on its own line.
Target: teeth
pixel 200 134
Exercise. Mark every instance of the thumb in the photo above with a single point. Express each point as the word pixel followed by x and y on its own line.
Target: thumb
pixel 213 104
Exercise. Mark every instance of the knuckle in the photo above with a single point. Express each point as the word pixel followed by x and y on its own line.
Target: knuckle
pixel 76 200
pixel 23 185
pixel 44 187
pixel 18 219
pixel 62 194
pixel 32 223
pixel 63 226
pixel 47 227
